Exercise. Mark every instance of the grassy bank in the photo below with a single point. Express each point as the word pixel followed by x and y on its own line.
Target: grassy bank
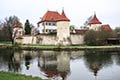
pixel 53 47
pixel 14 76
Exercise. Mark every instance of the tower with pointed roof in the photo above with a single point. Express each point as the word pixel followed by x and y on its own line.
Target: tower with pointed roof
pixel 94 23
pixel 63 26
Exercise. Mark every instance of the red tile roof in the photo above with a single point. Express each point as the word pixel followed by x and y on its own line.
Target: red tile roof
pixel 94 20
pixel 106 27
pixel 54 16
pixel 63 16
pixel 50 72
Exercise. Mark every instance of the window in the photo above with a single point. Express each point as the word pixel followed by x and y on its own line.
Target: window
pixel 54 30
pixel 49 23
pixel 50 30
pixel 47 30
pixel 46 23
pixel 54 23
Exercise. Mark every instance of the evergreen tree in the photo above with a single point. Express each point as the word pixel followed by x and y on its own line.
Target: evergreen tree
pixel 27 27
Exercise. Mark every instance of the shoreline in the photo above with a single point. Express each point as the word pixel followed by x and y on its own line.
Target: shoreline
pixel 67 48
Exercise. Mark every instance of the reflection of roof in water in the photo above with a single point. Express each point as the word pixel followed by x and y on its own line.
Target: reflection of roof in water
pixel 51 73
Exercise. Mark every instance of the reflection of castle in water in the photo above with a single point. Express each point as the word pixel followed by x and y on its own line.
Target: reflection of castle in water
pixel 55 63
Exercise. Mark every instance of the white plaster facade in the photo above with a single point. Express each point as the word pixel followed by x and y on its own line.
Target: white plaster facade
pixel 47 27
pixel 29 40
pixel 63 30
pixel 95 27
pixel 75 39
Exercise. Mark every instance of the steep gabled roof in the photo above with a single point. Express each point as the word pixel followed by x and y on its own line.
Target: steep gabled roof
pixel 106 27
pixel 94 20
pixel 54 16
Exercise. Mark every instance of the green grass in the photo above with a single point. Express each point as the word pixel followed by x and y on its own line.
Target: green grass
pixel 51 47
pixel 14 76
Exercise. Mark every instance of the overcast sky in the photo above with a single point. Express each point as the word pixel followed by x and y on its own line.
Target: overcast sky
pixel 108 11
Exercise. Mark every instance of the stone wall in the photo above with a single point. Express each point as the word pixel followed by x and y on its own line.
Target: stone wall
pixel 27 39
pixel 77 39
pixel 51 39
pixel 45 39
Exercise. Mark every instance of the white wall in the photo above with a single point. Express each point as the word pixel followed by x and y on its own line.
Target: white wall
pixel 46 39
pixel 29 40
pixel 77 39
pixel 95 27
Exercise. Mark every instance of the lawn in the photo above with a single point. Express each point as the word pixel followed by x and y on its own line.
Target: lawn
pixel 14 76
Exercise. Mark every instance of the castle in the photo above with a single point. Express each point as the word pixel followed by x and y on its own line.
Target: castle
pixel 55 30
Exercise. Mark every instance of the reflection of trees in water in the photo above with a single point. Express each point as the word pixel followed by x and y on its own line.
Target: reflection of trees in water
pixel 55 63
pixel 15 62
pixel 117 57
pixel 14 58
pixel 28 58
pixel 5 57
pixel 95 60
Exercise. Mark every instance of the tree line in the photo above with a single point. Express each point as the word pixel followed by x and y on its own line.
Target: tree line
pixel 100 37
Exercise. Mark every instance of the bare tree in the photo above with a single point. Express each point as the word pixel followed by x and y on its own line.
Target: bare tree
pixel 8 26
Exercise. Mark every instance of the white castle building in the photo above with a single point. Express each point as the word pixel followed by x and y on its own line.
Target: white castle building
pixel 53 22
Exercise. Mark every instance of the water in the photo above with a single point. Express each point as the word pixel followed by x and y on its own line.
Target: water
pixel 63 65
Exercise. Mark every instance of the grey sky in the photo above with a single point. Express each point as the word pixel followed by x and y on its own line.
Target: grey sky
pixel 108 11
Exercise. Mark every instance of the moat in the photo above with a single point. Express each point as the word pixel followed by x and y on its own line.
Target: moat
pixel 63 65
